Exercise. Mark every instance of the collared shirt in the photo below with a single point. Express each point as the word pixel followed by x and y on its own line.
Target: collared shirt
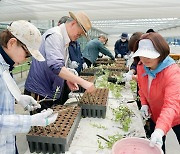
pixel 43 77
pixel 7 59
pixel 10 123
pixel 93 48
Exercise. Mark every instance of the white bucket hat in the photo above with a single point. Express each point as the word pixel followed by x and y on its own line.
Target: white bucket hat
pixel 29 35
pixel 146 49
pixel 82 20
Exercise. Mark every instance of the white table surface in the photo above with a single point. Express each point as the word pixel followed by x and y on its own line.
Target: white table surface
pixel 85 138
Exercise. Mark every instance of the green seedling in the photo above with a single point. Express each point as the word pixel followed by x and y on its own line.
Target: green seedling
pixel 98 126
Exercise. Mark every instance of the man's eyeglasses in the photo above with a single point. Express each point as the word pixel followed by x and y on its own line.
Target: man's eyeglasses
pixel 26 51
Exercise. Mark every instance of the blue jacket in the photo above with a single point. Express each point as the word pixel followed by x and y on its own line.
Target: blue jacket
pixel 121 48
pixel 93 48
pixel 75 54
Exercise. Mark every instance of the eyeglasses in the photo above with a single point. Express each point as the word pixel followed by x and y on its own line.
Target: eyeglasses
pixel 26 51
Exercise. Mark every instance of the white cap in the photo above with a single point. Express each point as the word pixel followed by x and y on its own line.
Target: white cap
pixel 146 49
pixel 29 35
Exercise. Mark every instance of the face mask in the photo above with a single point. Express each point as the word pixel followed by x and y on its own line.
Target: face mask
pixel 123 40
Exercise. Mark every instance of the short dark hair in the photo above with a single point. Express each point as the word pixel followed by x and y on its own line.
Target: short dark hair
pixel 150 30
pixel 5 36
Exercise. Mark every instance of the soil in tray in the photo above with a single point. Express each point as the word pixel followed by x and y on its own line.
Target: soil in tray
pixel 62 125
pixel 89 78
pixel 99 97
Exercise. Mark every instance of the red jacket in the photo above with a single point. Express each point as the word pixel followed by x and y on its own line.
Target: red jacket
pixel 163 98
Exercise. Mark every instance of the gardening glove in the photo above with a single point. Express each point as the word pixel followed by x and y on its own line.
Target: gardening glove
pixel 44 118
pixel 127 76
pixel 126 57
pixel 28 102
pixel 156 137
pixel 119 55
pixel 144 112
pixel 73 71
pixel 73 64
pixel 84 66
pixel 100 54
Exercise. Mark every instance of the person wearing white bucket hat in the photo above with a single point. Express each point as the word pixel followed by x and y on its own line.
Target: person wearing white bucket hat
pixel 45 77
pixel 19 40
pixel 159 81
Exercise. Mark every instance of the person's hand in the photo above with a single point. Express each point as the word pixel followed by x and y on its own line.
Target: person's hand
pixel 84 66
pixel 72 86
pixel 156 137
pixel 73 65
pixel 44 118
pixel 90 87
pixel 119 55
pixel 127 76
pixel 28 102
pixel 73 71
pixel 126 57
pixel 145 112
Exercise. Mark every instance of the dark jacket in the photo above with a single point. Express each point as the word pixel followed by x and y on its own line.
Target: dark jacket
pixel 121 48
pixel 75 54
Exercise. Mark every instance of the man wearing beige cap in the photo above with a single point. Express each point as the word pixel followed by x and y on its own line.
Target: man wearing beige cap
pixel 20 40
pixel 46 77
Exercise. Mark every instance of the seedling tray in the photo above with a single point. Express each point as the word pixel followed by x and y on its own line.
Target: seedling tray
pixel 113 76
pixel 103 62
pixel 57 137
pixel 94 105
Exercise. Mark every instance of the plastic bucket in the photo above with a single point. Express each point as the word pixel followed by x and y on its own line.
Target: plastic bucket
pixel 135 145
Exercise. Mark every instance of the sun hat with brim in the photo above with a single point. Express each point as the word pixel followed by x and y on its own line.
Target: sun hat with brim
pixel 146 49
pixel 29 35
pixel 82 20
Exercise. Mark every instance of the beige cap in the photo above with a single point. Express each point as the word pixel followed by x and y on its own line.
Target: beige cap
pixel 29 35
pixel 82 20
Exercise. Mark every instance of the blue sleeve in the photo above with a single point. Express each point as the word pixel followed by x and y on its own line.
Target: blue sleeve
pixel 54 50
pixel 116 50
pixel 134 67
pixel 105 51
pixel 11 124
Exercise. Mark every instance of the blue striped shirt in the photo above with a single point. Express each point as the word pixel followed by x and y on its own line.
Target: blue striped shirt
pixel 10 123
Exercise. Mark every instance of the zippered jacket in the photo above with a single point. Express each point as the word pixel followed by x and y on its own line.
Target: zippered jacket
pixel 163 97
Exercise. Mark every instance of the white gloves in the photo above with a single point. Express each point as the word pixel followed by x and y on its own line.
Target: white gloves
pixel 119 55
pixel 100 54
pixel 73 71
pixel 144 112
pixel 156 137
pixel 44 118
pixel 73 65
pixel 127 76
pixel 84 66
pixel 28 102
pixel 126 57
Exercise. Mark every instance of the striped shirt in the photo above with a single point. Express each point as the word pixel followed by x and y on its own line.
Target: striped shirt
pixel 10 123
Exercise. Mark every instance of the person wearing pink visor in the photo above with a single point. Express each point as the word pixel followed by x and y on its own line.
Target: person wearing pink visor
pixel 159 82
